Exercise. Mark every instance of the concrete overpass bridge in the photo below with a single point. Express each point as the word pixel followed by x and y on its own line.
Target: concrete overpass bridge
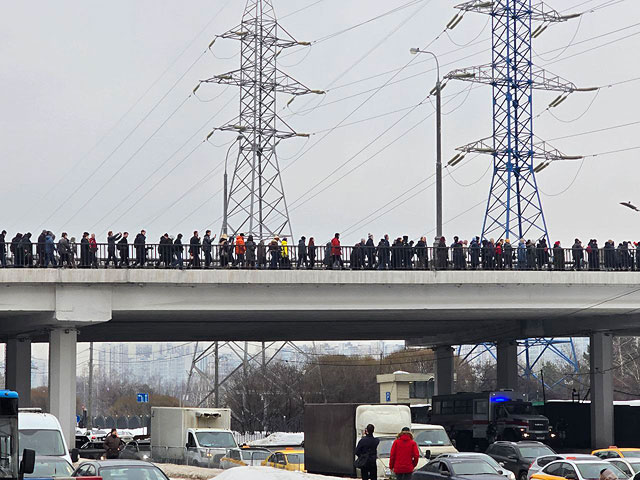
pixel 434 308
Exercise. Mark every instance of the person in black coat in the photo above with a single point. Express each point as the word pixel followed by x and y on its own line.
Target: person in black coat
pixel 40 247
pixel 311 250
pixel 111 247
pixel 371 252
pixel 302 253
pixel 421 253
pixel 140 244
pixel 3 249
pixel 26 247
pixel 206 248
pixel 177 250
pixel 123 249
pixel 577 252
pixel 367 451
pixel 507 254
pixel 84 250
pixel 194 250
pixel 457 254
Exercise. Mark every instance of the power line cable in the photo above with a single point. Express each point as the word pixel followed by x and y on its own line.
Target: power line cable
pixel 119 169
pixel 108 157
pixel 82 158
pixel 161 166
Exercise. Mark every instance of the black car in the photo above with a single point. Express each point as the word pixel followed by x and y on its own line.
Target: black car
pixel 457 469
pixel 518 456
pixel 119 470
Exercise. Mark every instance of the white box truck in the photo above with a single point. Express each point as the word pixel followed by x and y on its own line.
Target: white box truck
pixel 192 436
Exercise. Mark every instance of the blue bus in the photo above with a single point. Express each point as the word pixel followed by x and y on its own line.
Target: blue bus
pixel 9 467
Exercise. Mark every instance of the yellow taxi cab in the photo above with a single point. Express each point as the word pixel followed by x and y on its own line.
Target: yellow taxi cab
pixel 576 469
pixel 615 452
pixel 288 459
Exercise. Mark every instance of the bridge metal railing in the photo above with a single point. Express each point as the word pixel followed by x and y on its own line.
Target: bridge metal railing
pixel 359 257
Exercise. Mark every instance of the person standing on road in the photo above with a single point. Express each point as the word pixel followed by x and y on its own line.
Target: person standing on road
pixel 367 451
pixel 404 455
pixel 112 444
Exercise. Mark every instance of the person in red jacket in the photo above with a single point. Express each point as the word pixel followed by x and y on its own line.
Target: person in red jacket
pixel 404 455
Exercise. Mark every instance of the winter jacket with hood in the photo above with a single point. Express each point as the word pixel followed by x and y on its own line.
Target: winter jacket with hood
pixel 404 454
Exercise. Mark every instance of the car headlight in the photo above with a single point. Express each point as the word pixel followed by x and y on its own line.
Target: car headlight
pixel 144 457
pixel 387 471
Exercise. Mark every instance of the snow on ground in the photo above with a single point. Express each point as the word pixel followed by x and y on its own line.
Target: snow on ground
pixel 187 471
pixel 280 439
pixel 268 473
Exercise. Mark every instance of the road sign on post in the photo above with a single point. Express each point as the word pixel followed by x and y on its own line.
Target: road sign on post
pixel 143 398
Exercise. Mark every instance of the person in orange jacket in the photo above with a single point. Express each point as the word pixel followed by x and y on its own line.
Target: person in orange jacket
pixel 404 455
pixel 241 249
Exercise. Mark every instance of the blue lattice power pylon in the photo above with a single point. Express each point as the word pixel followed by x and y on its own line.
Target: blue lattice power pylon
pixel 514 209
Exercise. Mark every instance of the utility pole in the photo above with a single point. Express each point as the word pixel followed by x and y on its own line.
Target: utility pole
pixel 437 90
pixel 255 201
pixel 90 399
pixel 216 384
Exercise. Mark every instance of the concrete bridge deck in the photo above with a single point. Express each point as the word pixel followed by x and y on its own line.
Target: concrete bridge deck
pixel 438 307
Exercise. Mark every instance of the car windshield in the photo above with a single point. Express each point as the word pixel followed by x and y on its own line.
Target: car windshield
pixel 384 447
pixel 50 468
pixel 295 458
pixel 472 467
pixel 519 408
pixel 131 473
pixel 632 454
pixel 429 438
pixel 484 458
pixel 591 470
pixel 534 451
pixel 216 439
pixel 44 442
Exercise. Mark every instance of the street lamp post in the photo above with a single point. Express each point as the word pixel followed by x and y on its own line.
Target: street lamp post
pixel 438 90
pixel 226 196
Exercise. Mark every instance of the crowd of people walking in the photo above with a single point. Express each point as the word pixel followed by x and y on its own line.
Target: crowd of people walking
pixel 244 251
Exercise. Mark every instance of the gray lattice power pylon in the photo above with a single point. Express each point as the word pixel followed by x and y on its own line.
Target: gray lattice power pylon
pixel 513 209
pixel 255 202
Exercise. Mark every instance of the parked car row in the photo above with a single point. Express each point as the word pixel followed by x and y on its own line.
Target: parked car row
pixel 532 461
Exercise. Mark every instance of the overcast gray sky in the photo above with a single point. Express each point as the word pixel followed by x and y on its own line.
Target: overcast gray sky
pixel 70 69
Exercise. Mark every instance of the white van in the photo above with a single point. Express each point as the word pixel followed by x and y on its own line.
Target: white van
pixel 41 432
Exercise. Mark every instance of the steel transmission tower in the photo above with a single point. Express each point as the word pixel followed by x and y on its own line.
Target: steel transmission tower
pixel 255 202
pixel 514 209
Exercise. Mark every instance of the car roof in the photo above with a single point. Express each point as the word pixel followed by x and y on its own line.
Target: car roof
pixel 37 420
pixel 297 450
pixel 120 462
pixel 50 457
pixel 426 426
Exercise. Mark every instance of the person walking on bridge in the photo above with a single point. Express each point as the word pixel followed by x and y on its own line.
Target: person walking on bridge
pixel 207 242
pixel 404 455
pixel 336 252
pixel 194 250
pixel 112 444
pixel 140 244
pixel 111 248
pixel 123 248
pixel 3 249
pixel 367 453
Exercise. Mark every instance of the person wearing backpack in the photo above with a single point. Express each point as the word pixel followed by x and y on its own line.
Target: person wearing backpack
pixel 367 453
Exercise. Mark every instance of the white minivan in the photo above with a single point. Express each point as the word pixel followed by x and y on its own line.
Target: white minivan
pixel 41 432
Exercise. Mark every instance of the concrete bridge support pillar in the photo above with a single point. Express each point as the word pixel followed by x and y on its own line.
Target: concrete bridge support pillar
pixel 62 380
pixel 18 369
pixel 601 374
pixel 507 368
pixel 444 370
